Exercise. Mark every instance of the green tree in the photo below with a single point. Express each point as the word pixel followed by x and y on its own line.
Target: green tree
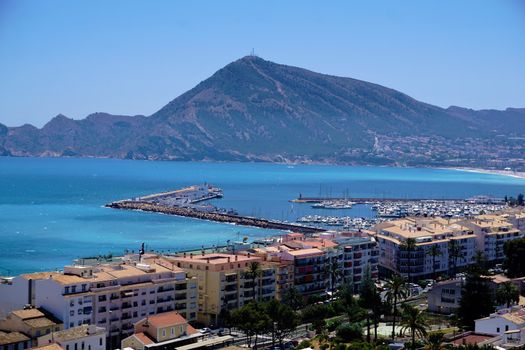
pixel 454 253
pixel 293 298
pixel 476 300
pixel 253 320
pixel 284 320
pixel 434 252
pixel 370 299
pixel 396 290
pixel 519 200
pixel 413 321
pixel 334 271
pixel 435 341
pixel 514 262
pixel 409 246
pixel 507 294
pixel 254 271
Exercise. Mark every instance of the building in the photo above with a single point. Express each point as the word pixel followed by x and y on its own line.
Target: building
pixel 444 297
pixel 502 321
pixel 85 337
pixel 358 255
pixel 448 235
pixel 113 296
pixel 225 282
pixel 14 341
pixel 309 269
pixel 492 231
pixel 168 329
pixel 31 322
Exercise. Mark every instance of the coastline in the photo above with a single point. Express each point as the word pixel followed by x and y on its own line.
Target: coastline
pixel 510 173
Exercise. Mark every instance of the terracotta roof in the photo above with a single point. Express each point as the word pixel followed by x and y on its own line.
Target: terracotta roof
pixel 56 276
pixel 143 338
pixel 472 339
pixel 76 333
pixel 28 313
pixel 166 319
pixel 7 338
pixel 305 252
pixel 214 258
pixel 190 330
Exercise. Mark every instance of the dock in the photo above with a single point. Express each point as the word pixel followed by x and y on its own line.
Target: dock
pixel 188 202
pixel 366 200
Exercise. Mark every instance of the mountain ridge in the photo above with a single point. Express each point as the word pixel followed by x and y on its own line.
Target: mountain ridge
pixel 257 110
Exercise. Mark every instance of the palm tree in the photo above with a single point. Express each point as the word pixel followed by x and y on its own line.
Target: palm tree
pixel 507 294
pixel 454 253
pixel 434 252
pixel 409 246
pixel 435 341
pixel 413 321
pixel 334 271
pixel 254 271
pixel 396 289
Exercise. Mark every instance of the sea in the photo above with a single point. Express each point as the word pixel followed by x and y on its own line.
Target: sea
pixel 52 209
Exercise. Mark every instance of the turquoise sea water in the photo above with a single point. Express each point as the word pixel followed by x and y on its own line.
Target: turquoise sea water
pixel 51 210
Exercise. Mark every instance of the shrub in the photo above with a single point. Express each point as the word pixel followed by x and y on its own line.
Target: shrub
pixel 349 331
pixel 304 344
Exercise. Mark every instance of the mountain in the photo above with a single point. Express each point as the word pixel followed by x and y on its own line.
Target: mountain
pixel 253 109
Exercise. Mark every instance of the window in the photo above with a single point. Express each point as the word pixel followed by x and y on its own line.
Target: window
pixel 172 330
pixel 76 347
pixel 506 328
pixel 497 330
pixel 67 347
pixel 83 345
pixel 66 290
pixel 163 332
pixel 100 341
pixel 73 289
pixel 72 313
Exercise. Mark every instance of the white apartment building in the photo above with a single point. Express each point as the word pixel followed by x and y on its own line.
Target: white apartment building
pixel 394 257
pixel 492 231
pixel 112 296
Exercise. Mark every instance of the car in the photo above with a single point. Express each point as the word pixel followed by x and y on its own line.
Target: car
pixel 205 330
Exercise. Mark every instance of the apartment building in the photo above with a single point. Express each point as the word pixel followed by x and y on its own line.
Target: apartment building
pixel 357 255
pixel 447 235
pixel 224 282
pixel 112 296
pixel 309 269
pixel 444 297
pixel 492 231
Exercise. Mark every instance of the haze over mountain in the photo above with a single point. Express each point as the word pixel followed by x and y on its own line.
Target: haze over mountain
pixel 253 109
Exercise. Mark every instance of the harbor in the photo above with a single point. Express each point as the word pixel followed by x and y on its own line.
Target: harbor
pixel 190 202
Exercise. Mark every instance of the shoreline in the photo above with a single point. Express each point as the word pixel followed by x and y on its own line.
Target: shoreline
pixel 509 173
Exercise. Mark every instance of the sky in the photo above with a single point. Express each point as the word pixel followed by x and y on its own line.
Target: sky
pixel 132 57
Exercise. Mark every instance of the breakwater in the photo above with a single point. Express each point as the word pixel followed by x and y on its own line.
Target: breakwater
pixel 212 216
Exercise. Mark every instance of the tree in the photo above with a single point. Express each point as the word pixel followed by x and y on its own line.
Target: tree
pixel 454 253
pixel 409 246
pixel 284 320
pixel 370 299
pixel 396 290
pixel 254 271
pixel 514 252
pixel 252 320
pixel 435 341
pixel 519 200
pixel 507 294
pixel 293 298
pixel 334 271
pixel 434 252
pixel 476 301
pixel 413 321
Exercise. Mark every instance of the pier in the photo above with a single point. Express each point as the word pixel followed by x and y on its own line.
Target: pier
pixel 189 202
pixel 212 216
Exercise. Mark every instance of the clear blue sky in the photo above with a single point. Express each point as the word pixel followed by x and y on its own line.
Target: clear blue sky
pixel 132 57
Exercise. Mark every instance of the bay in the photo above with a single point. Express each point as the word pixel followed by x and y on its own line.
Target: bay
pixel 51 209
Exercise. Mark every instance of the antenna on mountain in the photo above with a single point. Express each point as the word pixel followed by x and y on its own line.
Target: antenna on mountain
pixel 253 53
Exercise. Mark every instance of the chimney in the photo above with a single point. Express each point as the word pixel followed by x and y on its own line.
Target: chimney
pixel 248 255
pixel 236 257
pixel 184 254
pixel 229 259
pixel 191 255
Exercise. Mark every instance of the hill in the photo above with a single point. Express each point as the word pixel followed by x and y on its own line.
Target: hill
pixel 253 109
